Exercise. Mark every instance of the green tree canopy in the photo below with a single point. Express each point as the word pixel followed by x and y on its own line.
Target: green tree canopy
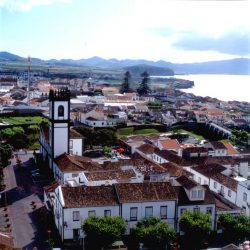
pixel 143 88
pixel 102 231
pixel 196 226
pixel 153 233
pixel 5 153
pixel 235 227
pixel 125 86
pixel 240 136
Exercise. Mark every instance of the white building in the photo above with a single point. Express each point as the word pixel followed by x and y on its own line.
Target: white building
pixel 72 205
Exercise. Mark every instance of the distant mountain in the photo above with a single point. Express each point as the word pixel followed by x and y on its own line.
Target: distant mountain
pixel 233 66
pixel 10 57
pixel 152 70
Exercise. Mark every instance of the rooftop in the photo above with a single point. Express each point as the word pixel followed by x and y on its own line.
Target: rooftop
pixel 147 191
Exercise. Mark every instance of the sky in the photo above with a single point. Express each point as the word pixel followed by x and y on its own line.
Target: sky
pixel 178 31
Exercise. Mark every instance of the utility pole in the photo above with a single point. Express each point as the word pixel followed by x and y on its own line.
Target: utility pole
pixel 28 89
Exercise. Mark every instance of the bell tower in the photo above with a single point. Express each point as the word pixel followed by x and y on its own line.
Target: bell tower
pixel 59 119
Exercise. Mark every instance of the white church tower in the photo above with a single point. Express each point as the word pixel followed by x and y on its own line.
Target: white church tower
pixel 59 119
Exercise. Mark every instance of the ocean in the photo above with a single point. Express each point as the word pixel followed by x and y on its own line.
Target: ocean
pixel 223 87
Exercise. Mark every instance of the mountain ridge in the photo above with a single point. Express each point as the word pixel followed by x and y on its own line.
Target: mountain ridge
pixel 231 66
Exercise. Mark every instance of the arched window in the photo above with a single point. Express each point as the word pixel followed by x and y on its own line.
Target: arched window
pixel 61 110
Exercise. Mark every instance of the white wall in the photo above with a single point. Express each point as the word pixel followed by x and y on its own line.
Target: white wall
pixel 243 187
pixel 217 189
pixel 202 208
pixel 68 217
pixel 156 211
pixel 77 146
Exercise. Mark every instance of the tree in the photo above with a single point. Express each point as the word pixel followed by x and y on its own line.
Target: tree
pixel 240 137
pixel 5 153
pixel 235 227
pixel 102 231
pixel 196 227
pixel 143 88
pixel 153 233
pixel 125 87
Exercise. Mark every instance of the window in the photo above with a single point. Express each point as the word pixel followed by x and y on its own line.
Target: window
pixel 60 110
pixel 209 210
pixel 107 212
pixel 163 212
pixel 229 193
pixel 74 175
pixel 76 215
pixel 148 212
pixel 196 209
pixel 200 193
pixel 222 189
pixel 133 213
pixel 194 194
pixel 199 180
pixel 183 210
pixel 215 184
pixel 70 143
pixel 91 213
pixel 244 196
pixel 248 169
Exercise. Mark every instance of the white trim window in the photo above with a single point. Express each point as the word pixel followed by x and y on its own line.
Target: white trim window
pixel 133 213
pixel 163 212
pixel 148 212
pixel 76 215
pixel 91 213
pixel 244 196
pixel 107 213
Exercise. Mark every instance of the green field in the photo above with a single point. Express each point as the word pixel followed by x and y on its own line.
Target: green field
pixel 131 131
pixel 24 120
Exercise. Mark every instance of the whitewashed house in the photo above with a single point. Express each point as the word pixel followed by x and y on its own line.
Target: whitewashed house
pixel 132 201
pixel 216 148
pixel 195 198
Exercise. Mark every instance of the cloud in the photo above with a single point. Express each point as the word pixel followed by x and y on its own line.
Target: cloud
pixel 27 5
pixel 236 42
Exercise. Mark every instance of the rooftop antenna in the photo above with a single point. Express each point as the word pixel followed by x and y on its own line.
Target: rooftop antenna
pixel 28 94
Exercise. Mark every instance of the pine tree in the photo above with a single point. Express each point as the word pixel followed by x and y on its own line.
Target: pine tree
pixel 125 88
pixel 144 89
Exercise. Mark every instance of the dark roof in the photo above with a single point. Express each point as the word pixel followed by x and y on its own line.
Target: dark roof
pixel 147 191
pixel 209 169
pixel 175 170
pixel 118 174
pixel 217 145
pixel 187 182
pixel 71 163
pixel 74 134
pixel 196 150
pixel 184 200
pixel 89 196
pixel 169 156
pixel 147 148
pixel 223 204
pixel 226 181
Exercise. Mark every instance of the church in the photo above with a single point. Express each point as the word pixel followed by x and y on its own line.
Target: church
pixel 59 139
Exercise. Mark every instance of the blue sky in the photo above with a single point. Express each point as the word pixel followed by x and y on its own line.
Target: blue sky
pixel 176 31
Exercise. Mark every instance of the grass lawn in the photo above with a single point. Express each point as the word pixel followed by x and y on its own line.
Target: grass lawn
pixel 24 120
pixel 200 137
pixel 131 131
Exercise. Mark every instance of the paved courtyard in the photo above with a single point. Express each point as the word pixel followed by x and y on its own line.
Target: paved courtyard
pixel 20 196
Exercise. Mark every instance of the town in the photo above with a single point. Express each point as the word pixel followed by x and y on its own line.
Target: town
pixel 81 153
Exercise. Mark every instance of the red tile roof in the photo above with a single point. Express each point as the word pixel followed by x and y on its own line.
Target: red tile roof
pixel 89 196
pixel 147 191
